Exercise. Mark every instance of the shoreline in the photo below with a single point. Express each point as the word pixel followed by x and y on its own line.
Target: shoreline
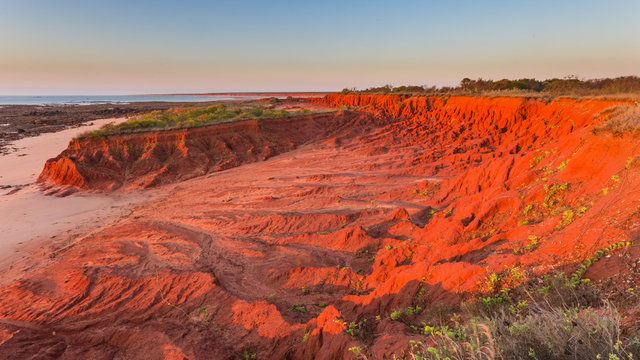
pixel 23 121
pixel 21 165
pixel 32 219
pixel 36 225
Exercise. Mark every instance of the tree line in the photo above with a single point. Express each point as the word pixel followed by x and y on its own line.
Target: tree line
pixel 570 85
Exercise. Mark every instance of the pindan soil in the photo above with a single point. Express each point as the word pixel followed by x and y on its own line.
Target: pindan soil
pixel 318 223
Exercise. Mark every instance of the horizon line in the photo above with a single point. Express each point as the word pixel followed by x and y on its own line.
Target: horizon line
pixel 224 93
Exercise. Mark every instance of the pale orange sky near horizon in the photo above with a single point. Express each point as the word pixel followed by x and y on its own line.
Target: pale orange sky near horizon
pixel 70 47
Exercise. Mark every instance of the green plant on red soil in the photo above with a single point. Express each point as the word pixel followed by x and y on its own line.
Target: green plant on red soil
pixel 568 217
pixel 527 209
pixel 582 210
pixel 361 252
pixel 536 160
pixel 484 236
pixel 552 192
pixel 554 317
pixel 492 281
pixel 562 166
pixel 413 310
pixel 203 310
pixel 499 285
pixel 305 337
pixel 576 277
pixel 353 329
pixel 501 297
pixel 357 351
pixel 399 315
pixel 534 242
pixel 630 162
pixel 298 307
pixel 448 212
pixel 396 315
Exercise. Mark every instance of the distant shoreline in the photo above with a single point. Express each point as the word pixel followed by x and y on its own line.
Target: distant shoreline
pixel 26 120
pixel 18 121
pixel 240 93
pixel 124 99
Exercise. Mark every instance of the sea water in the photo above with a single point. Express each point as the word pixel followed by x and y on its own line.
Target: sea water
pixel 116 99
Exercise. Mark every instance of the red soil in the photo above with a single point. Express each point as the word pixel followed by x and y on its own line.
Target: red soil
pixel 154 158
pixel 404 202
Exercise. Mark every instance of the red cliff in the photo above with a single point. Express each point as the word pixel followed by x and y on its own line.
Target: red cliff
pixel 398 203
pixel 152 158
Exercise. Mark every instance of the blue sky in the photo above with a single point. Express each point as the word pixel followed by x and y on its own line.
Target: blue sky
pixel 115 47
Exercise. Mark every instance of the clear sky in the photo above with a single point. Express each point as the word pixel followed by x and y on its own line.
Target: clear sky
pixel 160 46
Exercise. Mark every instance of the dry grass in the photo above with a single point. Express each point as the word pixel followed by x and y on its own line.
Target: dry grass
pixel 473 341
pixel 542 320
pixel 631 97
pixel 620 120
pixel 561 333
pixel 546 333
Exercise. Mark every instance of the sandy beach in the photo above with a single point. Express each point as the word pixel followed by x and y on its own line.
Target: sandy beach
pixel 30 217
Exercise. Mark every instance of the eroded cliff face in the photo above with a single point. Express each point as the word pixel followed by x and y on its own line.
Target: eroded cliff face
pixel 399 202
pixel 148 159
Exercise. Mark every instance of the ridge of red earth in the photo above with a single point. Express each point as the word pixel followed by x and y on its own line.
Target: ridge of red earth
pixel 395 202
pixel 157 157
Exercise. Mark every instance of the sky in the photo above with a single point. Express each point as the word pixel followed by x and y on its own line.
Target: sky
pixel 73 47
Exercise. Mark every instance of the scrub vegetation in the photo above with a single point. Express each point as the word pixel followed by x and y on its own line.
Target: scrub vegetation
pixel 567 86
pixel 189 117
pixel 553 317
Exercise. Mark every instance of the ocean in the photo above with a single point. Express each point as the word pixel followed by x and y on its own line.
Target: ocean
pixel 117 99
